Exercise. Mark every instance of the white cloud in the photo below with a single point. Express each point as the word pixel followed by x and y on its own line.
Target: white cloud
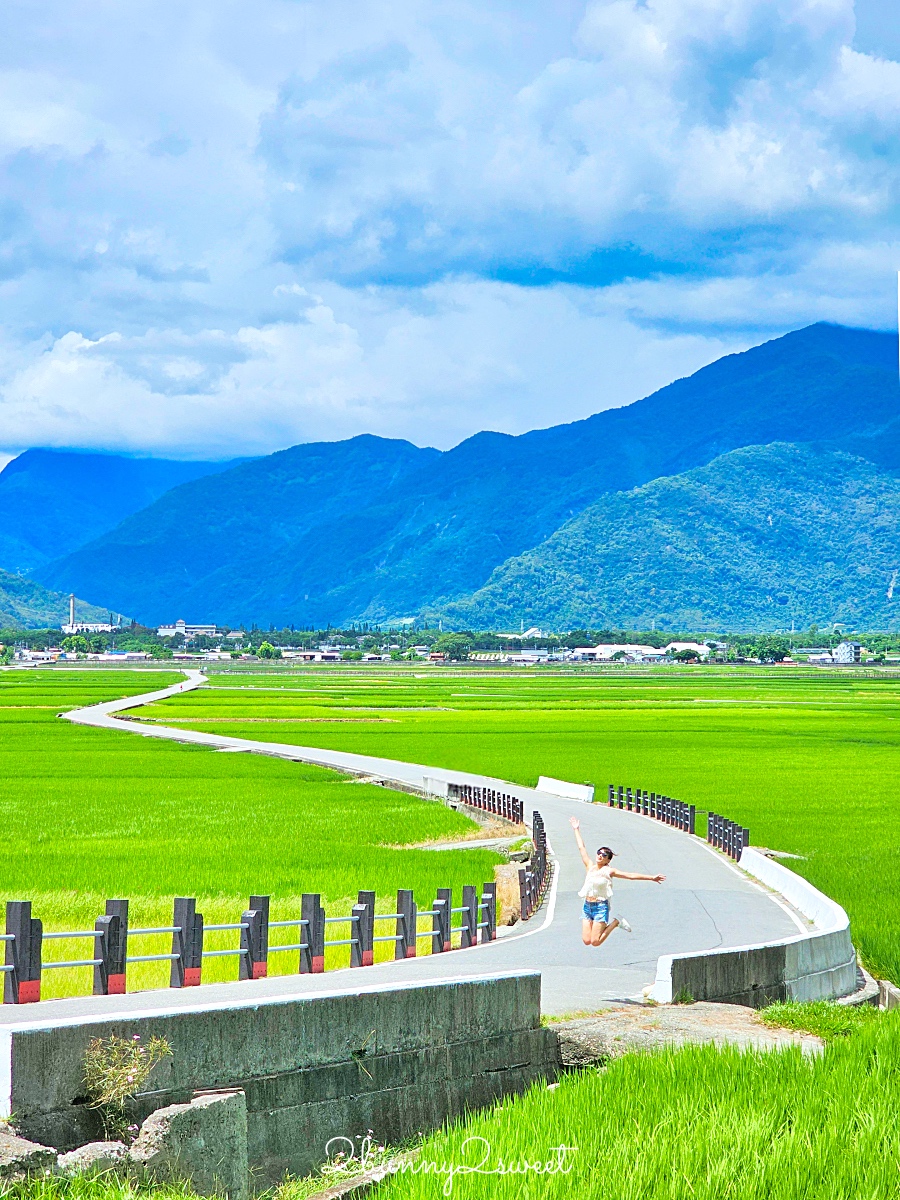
pixel 294 217
pixel 469 355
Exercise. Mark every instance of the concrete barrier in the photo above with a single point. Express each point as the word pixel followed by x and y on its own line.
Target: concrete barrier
pixel 818 965
pixel 570 791
pixel 394 1060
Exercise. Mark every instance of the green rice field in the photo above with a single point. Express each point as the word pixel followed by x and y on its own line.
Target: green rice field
pixel 88 814
pixel 697 1123
pixel 809 760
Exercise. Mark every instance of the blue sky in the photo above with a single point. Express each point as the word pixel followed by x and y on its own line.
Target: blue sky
pixel 227 228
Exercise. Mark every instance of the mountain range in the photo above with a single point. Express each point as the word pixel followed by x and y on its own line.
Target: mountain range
pixel 633 514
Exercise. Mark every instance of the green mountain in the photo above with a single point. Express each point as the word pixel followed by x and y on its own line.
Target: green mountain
pixel 760 537
pixel 52 501
pixel 372 529
pixel 24 604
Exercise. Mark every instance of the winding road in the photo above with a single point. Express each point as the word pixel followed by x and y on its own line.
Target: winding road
pixel 706 902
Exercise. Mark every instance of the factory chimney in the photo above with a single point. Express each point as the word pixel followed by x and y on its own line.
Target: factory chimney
pixel 72 608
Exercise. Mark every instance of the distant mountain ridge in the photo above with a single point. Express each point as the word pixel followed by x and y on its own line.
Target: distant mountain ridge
pixel 369 529
pixel 758 539
pixel 53 501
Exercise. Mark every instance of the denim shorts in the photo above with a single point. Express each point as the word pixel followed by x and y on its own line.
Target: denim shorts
pixel 596 910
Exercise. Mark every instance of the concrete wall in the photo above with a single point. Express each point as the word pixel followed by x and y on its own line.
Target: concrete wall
pixel 571 791
pixel 817 965
pixel 396 1060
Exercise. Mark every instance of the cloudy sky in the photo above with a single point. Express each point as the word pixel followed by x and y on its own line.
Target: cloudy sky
pixel 226 228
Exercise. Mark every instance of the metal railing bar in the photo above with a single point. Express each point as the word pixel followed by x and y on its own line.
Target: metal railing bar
pixel 299 946
pixel 87 933
pixel 389 937
pixel 387 916
pixel 286 924
pixel 81 962
pixel 427 933
pixel 221 953
pixel 150 957
pixel 216 928
pixel 7 937
pixel 459 910
pixel 344 942
pixel 162 929
pixel 4 970
pixel 340 920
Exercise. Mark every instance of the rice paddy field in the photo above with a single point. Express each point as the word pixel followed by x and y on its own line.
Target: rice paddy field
pixel 697 1123
pixel 88 815
pixel 808 760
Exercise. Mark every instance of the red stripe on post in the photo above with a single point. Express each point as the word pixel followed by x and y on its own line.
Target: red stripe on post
pixel 368 958
pixel 192 976
pixel 318 964
pixel 260 970
pixel 115 985
pixel 29 991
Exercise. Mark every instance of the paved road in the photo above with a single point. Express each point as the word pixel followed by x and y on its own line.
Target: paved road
pixel 705 902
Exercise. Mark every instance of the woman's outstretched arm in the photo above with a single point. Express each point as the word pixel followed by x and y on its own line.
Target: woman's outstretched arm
pixel 635 875
pixel 585 857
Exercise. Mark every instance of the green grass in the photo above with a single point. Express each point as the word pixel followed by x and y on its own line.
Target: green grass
pixel 89 814
pixel 822 1017
pixel 696 1123
pixel 809 760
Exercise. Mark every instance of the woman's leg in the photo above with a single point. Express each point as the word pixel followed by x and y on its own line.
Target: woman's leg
pixel 602 931
pixel 586 927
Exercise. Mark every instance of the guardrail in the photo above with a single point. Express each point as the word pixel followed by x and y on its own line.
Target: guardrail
pixel 722 833
pixel 111 938
pixel 501 804
pixel 534 882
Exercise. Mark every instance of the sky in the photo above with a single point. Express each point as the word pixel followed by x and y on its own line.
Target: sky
pixel 229 228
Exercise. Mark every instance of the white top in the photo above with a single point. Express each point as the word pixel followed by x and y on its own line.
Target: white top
pixel 597 884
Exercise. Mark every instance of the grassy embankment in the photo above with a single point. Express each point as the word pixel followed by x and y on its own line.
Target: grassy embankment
pixel 88 814
pixel 809 761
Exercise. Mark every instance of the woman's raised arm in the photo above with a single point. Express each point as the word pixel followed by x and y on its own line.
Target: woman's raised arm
pixel 585 857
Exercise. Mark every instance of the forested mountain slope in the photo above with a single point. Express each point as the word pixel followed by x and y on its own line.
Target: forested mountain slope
pixel 760 537
pixel 52 501
pixel 372 529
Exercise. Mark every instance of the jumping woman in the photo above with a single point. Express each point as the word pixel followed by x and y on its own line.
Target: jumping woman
pixel 596 925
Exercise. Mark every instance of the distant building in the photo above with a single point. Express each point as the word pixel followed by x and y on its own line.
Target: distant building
pixel 626 651
pixel 847 653
pixel 73 626
pixel 187 631
pixel 698 648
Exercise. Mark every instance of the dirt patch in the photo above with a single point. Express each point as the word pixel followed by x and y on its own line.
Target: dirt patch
pixel 587 1040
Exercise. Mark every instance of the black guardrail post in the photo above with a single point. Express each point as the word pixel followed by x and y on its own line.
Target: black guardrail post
pixel 254 962
pixel 358 916
pixel 366 928
pixel 313 913
pixel 187 943
pixel 405 946
pixel 105 947
pixel 469 934
pixel 437 925
pixel 22 985
pixel 446 895
pixel 489 897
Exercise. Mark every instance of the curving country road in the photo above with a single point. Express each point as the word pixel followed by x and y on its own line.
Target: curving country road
pixel 705 903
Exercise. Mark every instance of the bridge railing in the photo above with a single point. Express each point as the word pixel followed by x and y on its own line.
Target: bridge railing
pixel 472 923
pixel 722 833
pixel 499 803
